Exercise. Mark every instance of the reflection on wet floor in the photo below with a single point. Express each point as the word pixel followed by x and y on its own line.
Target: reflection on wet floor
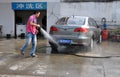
pixel 59 65
pixel 105 49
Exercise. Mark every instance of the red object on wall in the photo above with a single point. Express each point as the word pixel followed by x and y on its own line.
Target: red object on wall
pixel 104 35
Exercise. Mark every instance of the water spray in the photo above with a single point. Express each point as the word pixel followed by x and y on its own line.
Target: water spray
pixel 48 36
pixel 51 39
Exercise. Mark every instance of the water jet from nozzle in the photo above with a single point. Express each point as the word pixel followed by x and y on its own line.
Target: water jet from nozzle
pixel 48 36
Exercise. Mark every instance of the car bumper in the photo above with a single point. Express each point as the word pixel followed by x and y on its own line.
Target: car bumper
pixel 74 40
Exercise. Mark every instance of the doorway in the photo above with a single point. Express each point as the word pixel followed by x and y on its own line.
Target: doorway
pixel 21 17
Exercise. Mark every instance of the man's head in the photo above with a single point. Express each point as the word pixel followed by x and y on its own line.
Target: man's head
pixel 37 13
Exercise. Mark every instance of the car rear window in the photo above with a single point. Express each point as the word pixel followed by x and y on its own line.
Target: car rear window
pixel 71 21
pixel 76 21
pixel 62 21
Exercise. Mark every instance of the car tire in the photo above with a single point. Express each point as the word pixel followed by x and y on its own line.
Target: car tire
pixel 54 47
pixel 91 45
pixel 99 41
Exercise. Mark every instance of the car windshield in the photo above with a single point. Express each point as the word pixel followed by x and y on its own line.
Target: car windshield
pixel 76 21
pixel 71 21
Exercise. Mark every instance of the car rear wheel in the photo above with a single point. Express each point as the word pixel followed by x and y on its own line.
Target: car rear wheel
pixel 54 47
pixel 91 43
pixel 90 46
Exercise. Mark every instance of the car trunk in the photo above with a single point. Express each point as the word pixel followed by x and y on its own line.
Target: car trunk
pixel 65 30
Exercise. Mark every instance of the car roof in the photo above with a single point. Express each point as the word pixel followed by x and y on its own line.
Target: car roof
pixel 76 16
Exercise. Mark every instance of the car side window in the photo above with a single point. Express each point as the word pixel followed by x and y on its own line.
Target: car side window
pixel 92 22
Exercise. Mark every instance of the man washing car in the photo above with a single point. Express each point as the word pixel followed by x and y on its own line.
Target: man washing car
pixel 31 32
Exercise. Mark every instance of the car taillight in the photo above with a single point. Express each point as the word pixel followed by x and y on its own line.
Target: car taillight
pixel 52 28
pixel 84 30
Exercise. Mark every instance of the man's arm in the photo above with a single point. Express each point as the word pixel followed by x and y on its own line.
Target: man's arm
pixel 34 24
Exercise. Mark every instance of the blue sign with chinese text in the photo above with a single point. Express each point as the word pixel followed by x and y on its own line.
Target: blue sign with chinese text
pixel 29 5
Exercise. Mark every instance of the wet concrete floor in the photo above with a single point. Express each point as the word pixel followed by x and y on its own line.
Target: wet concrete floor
pixel 103 61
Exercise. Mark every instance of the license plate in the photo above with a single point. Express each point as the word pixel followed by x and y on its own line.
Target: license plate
pixel 64 41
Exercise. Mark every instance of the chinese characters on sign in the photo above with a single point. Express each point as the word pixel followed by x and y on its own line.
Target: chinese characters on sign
pixel 29 5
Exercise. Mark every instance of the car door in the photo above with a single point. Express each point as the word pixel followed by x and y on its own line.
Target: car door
pixel 94 27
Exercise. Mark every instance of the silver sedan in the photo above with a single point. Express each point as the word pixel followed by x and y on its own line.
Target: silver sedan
pixel 75 31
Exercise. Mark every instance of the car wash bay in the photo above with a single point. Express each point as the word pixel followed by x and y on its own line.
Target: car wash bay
pixel 103 61
pixel 22 11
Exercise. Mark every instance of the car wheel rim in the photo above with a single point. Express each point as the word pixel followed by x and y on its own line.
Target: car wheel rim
pixel 100 39
pixel 91 44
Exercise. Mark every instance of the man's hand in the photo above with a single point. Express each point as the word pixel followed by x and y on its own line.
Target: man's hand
pixel 38 25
